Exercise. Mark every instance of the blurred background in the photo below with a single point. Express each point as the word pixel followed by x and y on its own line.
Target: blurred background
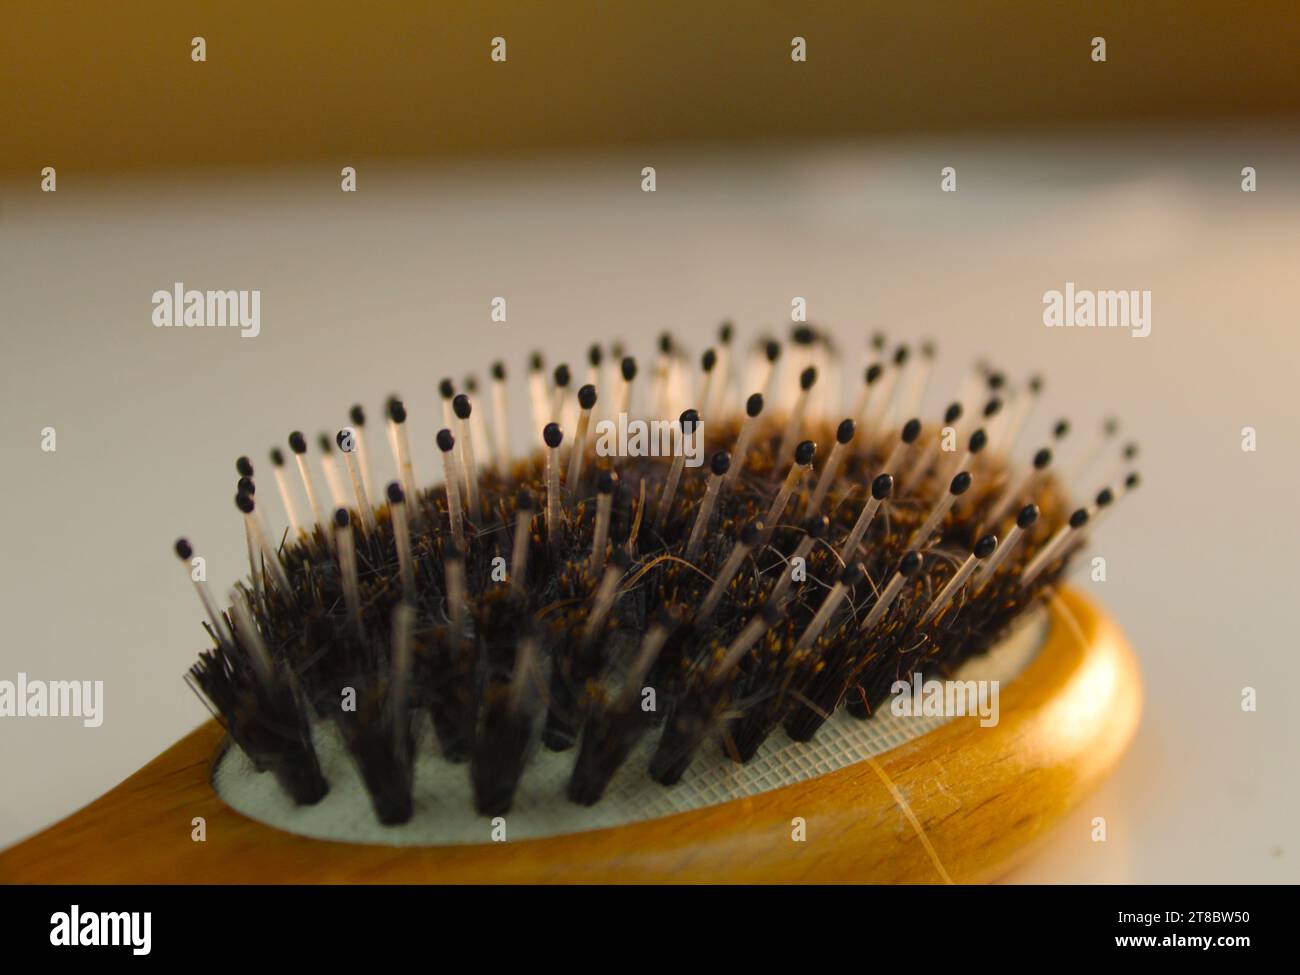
pixel 775 179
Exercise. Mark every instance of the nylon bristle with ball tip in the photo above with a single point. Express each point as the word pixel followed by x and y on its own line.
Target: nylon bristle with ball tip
pixel 580 599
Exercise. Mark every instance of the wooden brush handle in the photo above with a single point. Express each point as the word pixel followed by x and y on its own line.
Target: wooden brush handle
pixel 962 803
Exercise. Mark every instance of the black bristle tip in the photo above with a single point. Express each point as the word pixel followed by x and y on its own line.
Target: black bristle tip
pixel 184 551
pixel 499 371
pixel 978 441
pixel 910 564
pixel 708 360
pixel 606 482
pixel 807 378
pixel 992 407
pixel 446 388
pixel 1042 458
pixel 1061 429
pixel 873 374
pixel 720 463
pixel 277 457
pixel 754 405
pixel 952 414
pixel 985 546
pixel 882 487
pixel 1027 517
pixel 552 435
pixel 725 332
pixel 803 335
pixel 901 355
pixel 244 466
pixel 595 354
pixel 357 415
pixel 751 532
pixel 396 410
pixel 244 502
pixel 960 484
pixel 853 574
pixel 461 406
pixel 628 368
pixel 297 442
pixel 245 485
pixel 666 343
pixel 341 518
pixel 445 440
pixel 1079 518
pixel 1132 481
pixel 804 452
pixel 587 396
pixel 845 431
pixel 1104 497
pixel 688 420
pixel 562 376
pixel 524 499
pixel 395 493
pixel 536 362
pixel 911 430
pixel 817 526
pixel 325 443
pixel 772 350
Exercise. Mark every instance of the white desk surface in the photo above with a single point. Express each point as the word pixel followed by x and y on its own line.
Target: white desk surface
pixel 388 290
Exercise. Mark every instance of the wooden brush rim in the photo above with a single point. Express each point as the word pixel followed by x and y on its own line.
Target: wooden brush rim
pixel 962 803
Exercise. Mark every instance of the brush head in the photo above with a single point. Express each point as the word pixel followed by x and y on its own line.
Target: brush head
pixel 564 651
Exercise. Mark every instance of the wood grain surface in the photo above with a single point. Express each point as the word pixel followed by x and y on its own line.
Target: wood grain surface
pixel 963 803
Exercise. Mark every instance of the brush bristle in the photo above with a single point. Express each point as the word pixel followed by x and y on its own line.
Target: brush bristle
pixel 653 663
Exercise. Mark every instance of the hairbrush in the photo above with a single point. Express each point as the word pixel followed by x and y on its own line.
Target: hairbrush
pixel 711 626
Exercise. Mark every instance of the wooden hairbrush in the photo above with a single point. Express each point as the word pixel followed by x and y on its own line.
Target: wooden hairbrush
pixel 689 650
